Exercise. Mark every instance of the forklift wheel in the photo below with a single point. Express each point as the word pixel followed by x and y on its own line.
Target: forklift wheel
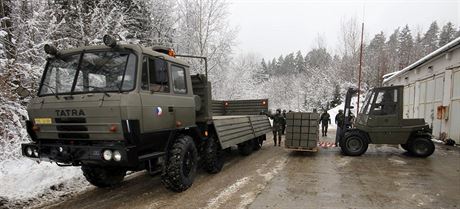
pixel 354 144
pixel 421 147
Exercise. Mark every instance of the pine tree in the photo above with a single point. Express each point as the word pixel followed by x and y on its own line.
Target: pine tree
pixel 337 97
pixel 392 47
pixel 447 34
pixel 375 59
pixel 6 35
pixel 431 38
pixel 299 62
pixel 288 66
pixel 279 64
pixel 418 48
pixel 406 44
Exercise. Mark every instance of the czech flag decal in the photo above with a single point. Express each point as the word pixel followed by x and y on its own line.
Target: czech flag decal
pixel 158 111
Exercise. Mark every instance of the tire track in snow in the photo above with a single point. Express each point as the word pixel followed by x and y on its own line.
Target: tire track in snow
pixel 225 195
pixel 249 197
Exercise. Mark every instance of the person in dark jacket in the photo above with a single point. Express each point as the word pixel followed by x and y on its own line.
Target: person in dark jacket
pixel 325 120
pixel 283 125
pixel 277 126
pixel 339 120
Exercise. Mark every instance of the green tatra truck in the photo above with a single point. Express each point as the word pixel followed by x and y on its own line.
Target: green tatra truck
pixel 121 107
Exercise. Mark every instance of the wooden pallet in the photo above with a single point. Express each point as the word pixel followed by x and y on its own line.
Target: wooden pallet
pixel 301 149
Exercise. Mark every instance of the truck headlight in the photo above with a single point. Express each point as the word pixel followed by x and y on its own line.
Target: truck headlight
pixel 117 155
pixel 107 154
pixel 29 151
pixel 35 152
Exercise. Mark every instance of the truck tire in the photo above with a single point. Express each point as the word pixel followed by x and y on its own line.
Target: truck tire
pixel 213 156
pixel 421 147
pixel 103 176
pixel 180 167
pixel 245 148
pixel 354 144
pixel 257 143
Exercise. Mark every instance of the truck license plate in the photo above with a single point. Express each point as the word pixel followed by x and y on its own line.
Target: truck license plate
pixel 42 120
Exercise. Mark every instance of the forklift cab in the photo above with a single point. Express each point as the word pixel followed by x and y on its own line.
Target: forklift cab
pixel 381 107
pixel 381 115
pixel 380 121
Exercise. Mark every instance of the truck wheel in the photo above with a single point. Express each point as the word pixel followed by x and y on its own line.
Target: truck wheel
pixel 180 168
pixel 245 148
pixel 354 144
pixel 103 176
pixel 213 157
pixel 257 143
pixel 405 147
pixel 421 147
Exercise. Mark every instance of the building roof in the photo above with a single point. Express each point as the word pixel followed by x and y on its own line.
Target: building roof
pixel 423 60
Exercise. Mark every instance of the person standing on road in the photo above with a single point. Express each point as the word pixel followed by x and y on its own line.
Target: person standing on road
pixel 283 125
pixel 325 120
pixel 339 120
pixel 277 123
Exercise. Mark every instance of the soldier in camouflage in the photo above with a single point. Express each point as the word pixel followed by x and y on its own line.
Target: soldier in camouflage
pixel 325 120
pixel 283 125
pixel 340 121
pixel 278 121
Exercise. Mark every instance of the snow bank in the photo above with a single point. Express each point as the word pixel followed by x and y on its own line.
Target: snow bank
pixel 25 179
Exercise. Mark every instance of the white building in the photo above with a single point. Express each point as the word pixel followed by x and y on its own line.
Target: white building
pixel 432 90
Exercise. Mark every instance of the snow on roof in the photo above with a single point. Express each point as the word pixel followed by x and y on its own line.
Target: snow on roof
pixel 424 59
pixel 389 74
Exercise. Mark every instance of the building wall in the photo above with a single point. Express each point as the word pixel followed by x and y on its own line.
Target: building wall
pixel 433 84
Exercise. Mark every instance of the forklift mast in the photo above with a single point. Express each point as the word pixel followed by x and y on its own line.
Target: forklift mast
pixel 347 110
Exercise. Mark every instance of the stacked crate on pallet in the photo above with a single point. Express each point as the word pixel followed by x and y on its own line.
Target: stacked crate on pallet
pixel 302 130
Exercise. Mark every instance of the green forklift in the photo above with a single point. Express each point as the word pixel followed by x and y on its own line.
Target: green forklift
pixel 380 121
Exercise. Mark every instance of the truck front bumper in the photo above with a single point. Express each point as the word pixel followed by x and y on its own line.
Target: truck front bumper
pixel 79 154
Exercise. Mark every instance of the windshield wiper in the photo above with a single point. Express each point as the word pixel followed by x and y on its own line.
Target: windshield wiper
pixel 99 89
pixel 51 89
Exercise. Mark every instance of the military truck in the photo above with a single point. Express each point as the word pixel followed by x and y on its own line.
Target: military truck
pixel 380 121
pixel 115 108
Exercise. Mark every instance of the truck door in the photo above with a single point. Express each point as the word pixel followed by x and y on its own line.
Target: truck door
pixel 384 118
pixel 157 116
pixel 182 96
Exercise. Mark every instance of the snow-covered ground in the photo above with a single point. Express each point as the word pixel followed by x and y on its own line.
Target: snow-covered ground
pixel 23 180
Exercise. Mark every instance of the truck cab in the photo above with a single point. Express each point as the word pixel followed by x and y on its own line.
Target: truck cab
pixel 380 121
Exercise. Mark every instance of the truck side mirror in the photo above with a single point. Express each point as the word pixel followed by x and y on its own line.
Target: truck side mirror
pixel 22 92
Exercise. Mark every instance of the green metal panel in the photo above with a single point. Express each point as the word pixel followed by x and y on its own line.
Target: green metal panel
pixel 232 130
pixel 240 107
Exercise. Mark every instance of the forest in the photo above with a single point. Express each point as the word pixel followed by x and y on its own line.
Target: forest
pixel 311 78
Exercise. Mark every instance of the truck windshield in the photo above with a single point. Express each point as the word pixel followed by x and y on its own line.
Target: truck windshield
pixel 101 71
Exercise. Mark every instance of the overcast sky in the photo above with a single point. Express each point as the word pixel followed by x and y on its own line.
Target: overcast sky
pixel 273 27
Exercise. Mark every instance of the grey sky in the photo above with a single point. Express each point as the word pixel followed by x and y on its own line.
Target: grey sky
pixel 274 27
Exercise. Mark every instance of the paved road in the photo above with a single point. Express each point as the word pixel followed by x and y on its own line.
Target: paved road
pixel 385 177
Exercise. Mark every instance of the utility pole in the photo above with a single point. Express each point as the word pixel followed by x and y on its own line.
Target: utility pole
pixel 360 66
